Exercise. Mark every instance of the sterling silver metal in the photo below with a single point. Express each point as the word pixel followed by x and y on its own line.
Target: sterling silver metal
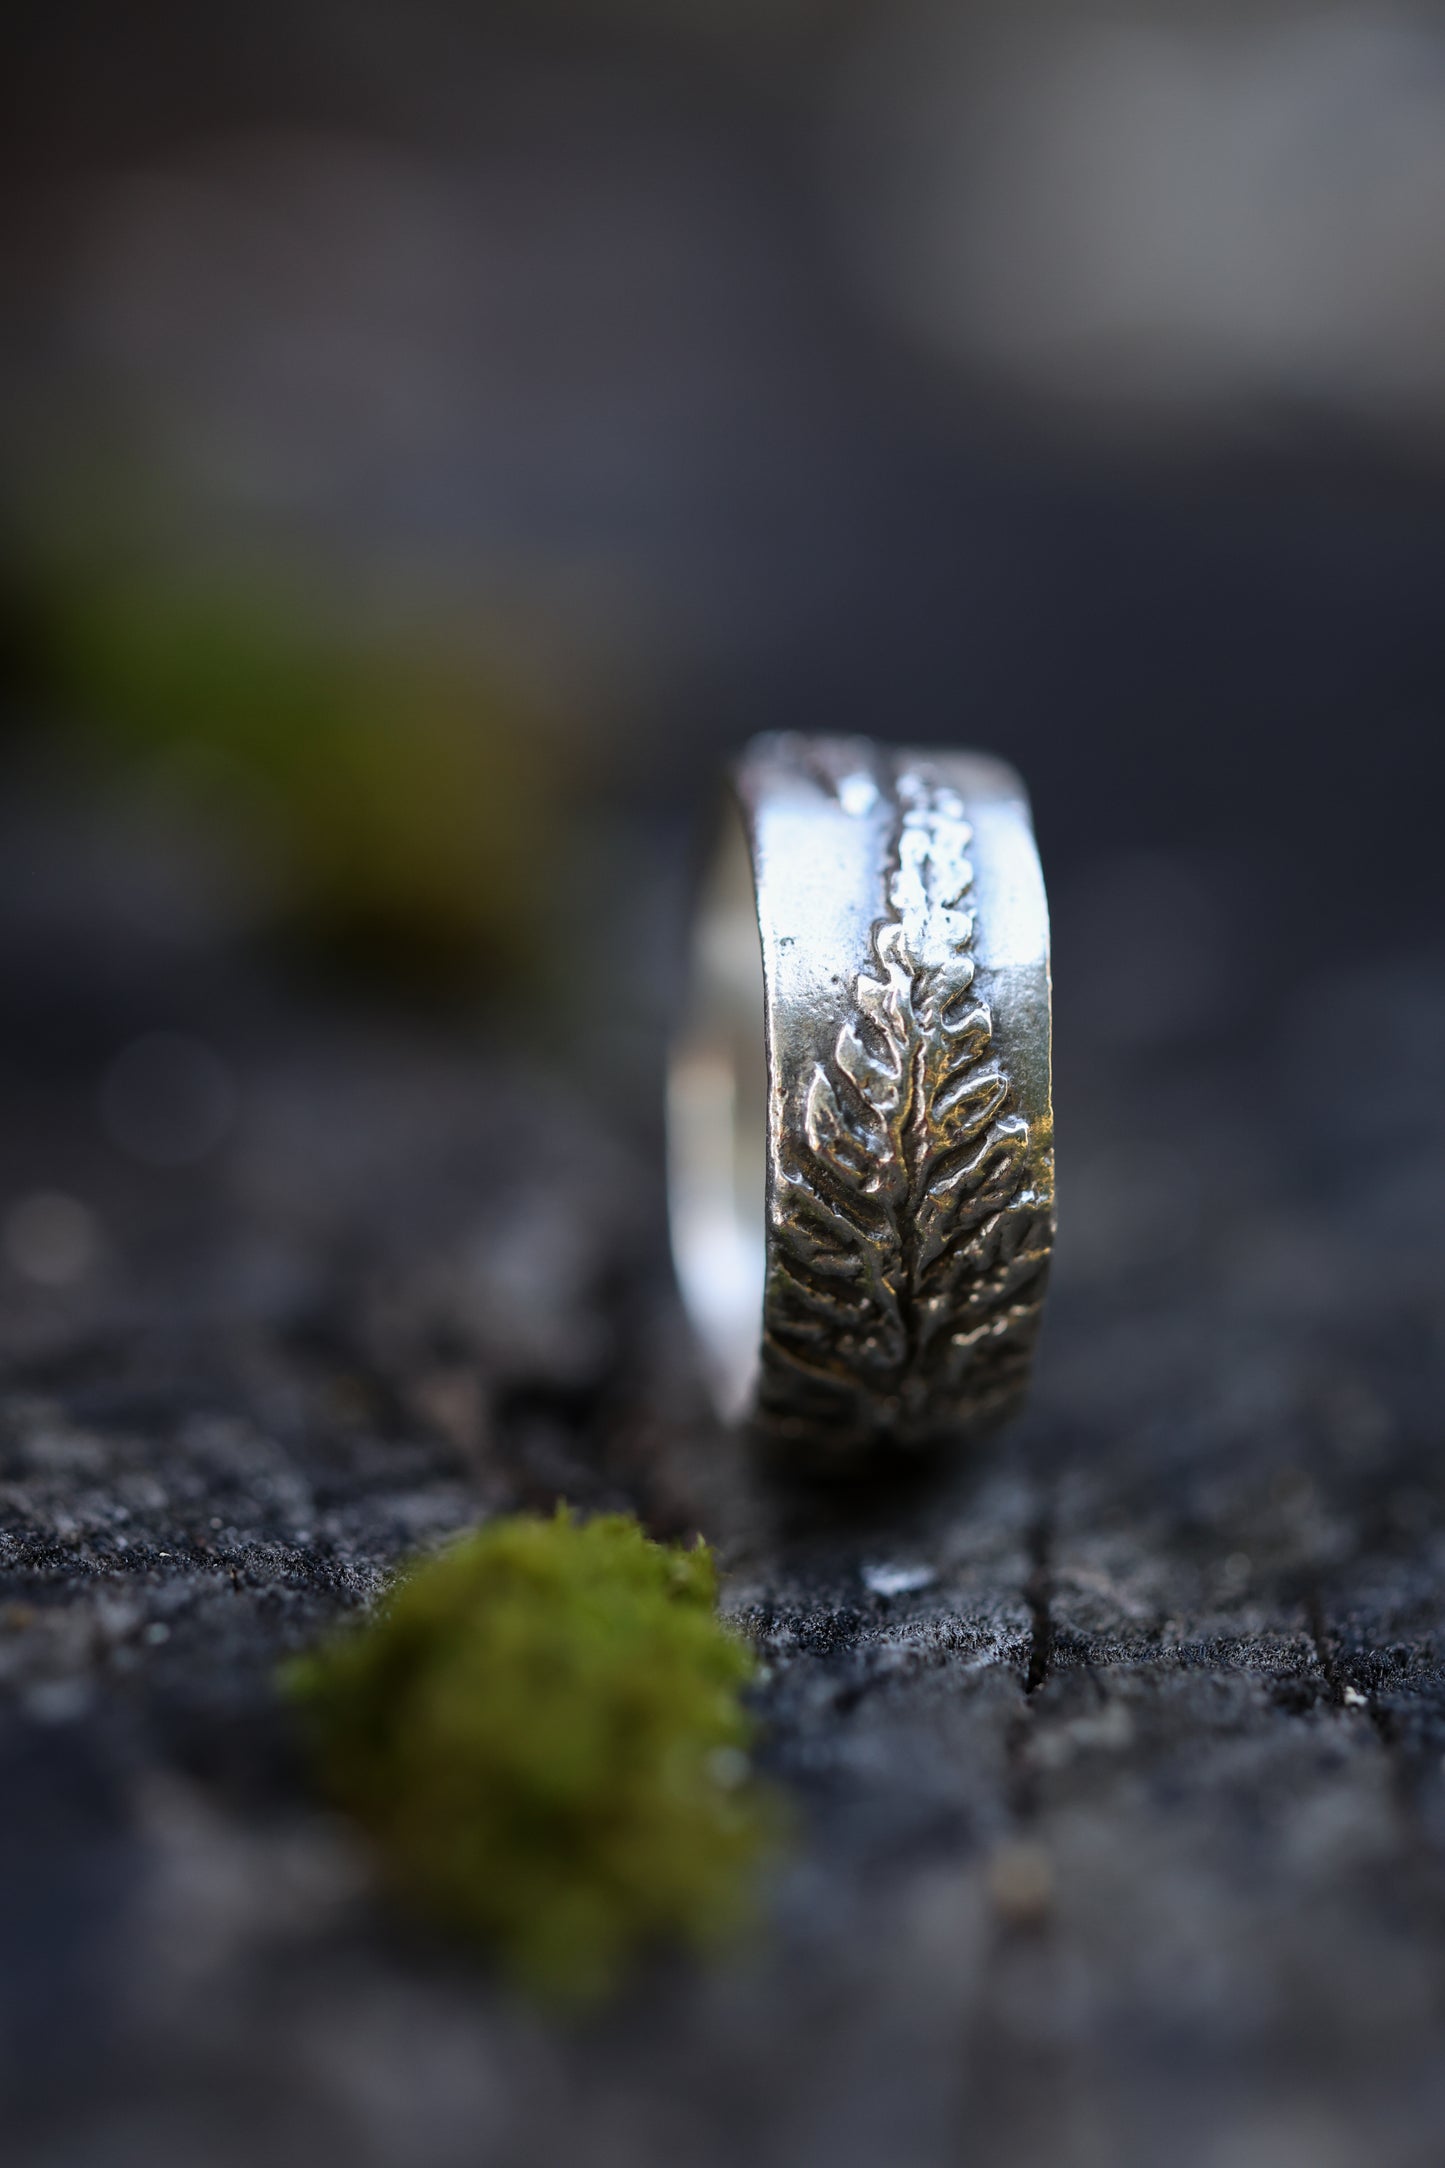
pixel 860 1128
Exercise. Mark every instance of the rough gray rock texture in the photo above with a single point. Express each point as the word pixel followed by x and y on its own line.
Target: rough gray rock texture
pixel 1119 1757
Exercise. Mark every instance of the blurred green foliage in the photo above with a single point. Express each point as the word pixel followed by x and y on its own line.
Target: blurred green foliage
pixel 544 1735
pixel 392 776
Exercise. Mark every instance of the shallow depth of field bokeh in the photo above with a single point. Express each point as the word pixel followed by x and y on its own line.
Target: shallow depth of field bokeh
pixel 431 436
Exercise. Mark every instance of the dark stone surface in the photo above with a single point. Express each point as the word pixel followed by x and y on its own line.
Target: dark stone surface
pixel 1119 1759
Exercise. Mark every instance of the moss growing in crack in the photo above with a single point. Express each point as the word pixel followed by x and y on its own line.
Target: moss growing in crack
pixel 544 1735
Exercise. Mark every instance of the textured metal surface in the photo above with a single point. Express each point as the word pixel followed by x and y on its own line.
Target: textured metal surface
pixel 863 1232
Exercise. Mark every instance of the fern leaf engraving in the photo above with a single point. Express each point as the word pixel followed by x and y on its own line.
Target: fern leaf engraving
pixel 908 1249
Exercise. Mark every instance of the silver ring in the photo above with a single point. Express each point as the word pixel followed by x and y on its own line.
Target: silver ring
pixel 860 1124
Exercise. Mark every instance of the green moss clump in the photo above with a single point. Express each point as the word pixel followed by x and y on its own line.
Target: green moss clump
pixel 543 1733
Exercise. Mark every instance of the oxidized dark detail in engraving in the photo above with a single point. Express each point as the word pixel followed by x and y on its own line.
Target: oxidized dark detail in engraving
pixel 911 1220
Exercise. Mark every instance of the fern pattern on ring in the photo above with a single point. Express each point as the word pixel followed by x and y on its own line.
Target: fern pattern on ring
pixel 910 1246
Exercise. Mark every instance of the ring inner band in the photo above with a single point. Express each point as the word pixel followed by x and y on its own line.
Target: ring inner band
pixel 717 1127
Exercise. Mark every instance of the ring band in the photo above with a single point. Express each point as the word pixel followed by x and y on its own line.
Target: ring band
pixel 860 1128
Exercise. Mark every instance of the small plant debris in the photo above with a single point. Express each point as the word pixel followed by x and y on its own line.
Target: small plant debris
pixel 544 1735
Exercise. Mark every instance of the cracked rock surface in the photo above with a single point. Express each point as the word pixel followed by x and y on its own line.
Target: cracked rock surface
pixel 1118 1758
